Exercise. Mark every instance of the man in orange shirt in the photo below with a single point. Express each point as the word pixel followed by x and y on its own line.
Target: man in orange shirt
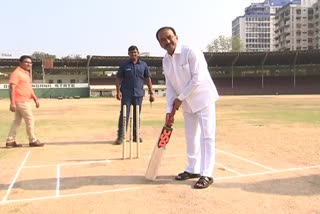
pixel 21 93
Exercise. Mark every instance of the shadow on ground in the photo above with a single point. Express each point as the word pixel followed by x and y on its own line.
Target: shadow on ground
pixel 63 143
pixel 79 142
pixel 303 185
pixel 77 182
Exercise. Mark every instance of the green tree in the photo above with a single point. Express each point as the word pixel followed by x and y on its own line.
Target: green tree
pixel 225 44
pixel 236 43
pixel 72 57
pixel 221 44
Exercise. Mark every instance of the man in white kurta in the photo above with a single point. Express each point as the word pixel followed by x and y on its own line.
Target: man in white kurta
pixel 190 86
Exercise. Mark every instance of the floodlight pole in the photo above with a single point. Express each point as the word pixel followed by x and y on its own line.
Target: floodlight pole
pixel 233 63
pixel 43 77
pixel 294 69
pixel 88 72
pixel 262 69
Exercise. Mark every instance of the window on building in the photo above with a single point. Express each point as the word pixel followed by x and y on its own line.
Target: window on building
pixel 59 81
pixel 50 81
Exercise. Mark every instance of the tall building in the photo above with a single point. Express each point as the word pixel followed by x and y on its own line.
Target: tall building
pixel 295 26
pixel 256 29
pixel 316 24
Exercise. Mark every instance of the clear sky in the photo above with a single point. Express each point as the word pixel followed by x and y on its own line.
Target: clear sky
pixel 109 27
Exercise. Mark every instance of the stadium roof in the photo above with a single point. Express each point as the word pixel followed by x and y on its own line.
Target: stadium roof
pixel 214 59
pixel 263 58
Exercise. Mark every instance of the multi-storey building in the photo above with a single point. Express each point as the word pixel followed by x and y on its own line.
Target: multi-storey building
pixel 256 28
pixel 316 24
pixel 295 26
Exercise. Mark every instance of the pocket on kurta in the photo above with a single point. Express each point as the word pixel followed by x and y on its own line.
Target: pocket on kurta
pixel 185 67
pixel 184 73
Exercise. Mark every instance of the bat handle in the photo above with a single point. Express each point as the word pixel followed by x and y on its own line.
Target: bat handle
pixel 170 120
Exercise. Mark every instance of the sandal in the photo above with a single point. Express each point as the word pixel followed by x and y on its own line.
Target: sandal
pixel 203 182
pixel 186 175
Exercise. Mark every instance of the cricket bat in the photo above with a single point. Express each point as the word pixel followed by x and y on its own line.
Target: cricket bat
pixel 159 148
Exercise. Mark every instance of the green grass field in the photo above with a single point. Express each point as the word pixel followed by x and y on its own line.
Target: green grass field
pixel 284 110
pixel 58 117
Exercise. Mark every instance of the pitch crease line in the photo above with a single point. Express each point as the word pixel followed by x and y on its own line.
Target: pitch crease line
pixel 244 159
pixel 268 172
pixel 231 170
pixel 70 195
pixel 15 178
pixel 68 164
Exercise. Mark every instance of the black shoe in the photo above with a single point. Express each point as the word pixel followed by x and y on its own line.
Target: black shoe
pixel 13 144
pixel 203 182
pixel 186 175
pixel 36 144
pixel 118 141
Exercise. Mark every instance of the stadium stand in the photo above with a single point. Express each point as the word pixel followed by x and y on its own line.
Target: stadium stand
pixel 234 73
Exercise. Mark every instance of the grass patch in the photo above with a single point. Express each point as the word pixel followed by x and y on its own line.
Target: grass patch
pixel 95 115
pixel 283 116
pixel 270 110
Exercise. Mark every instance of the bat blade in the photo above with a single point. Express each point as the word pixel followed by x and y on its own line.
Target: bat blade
pixel 157 154
pixel 159 148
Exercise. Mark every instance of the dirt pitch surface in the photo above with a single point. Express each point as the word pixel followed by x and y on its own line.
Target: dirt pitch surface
pixel 260 168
